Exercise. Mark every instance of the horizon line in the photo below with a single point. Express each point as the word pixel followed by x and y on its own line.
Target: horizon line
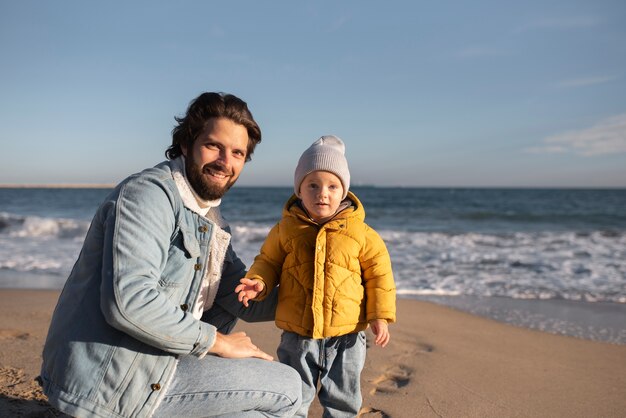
pixel 113 185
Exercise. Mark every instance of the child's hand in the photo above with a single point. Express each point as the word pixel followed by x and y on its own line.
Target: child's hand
pixel 248 289
pixel 381 331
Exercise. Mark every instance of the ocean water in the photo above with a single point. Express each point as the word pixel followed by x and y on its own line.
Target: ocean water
pixel 510 254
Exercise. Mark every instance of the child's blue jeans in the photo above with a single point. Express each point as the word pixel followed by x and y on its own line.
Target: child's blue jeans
pixel 336 363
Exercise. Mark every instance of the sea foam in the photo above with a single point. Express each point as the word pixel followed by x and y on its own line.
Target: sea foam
pixel 581 266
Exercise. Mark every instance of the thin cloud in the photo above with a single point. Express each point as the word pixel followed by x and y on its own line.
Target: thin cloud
pixel 232 57
pixel 575 22
pixel 217 31
pixel 338 23
pixel 585 81
pixel 562 23
pixel 606 137
pixel 479 51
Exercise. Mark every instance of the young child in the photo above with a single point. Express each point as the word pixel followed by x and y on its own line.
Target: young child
pixel 335 277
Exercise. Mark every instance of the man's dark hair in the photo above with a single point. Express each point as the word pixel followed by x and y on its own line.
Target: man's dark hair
pixel 209 106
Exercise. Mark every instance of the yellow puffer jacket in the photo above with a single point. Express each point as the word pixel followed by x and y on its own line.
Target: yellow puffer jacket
pixel 334 278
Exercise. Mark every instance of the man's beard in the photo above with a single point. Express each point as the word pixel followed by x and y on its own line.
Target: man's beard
pixel 206 189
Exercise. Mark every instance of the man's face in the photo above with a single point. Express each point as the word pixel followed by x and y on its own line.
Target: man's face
pixel 216 158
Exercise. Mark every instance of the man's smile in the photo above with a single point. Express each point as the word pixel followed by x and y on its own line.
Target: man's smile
pixel 217 173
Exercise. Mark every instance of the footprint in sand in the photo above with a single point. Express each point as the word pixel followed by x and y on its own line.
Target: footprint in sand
pixel 392 379
pixel 426 348
pixel 368 412
pixel 412 347
pixel 8 334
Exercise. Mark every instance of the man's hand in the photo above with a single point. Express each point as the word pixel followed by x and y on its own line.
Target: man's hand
pixel 237 345
pixel 248 289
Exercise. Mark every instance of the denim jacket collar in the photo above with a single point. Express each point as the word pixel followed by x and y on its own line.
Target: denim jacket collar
pixel 220 237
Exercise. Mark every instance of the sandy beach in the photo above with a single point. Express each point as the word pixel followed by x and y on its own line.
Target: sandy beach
pixel 440 363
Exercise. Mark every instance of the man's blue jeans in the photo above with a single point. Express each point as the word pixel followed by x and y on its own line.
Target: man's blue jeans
pixel 215 386
pixel 335 362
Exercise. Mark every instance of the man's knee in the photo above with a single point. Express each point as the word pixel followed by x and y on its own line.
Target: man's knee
pixel 291 388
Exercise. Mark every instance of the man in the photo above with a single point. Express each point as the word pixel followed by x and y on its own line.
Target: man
pixel 135 331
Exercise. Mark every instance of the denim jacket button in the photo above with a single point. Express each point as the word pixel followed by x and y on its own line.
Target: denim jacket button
pixel 155 386
pixel 203 228
pixel 197 267
pixel 184 307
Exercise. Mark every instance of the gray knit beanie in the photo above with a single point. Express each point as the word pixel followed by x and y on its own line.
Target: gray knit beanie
pixel 326 154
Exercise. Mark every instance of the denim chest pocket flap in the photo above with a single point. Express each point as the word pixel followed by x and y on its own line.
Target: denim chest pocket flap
pixel 191 244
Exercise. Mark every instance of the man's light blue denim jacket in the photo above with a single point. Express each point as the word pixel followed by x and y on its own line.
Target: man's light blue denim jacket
pixel 125 313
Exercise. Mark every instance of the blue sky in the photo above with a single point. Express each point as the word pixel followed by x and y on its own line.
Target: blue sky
pixel 481 93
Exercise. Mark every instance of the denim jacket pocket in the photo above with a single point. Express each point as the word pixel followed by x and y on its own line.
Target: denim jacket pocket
pixel 183 255
pixel 191 244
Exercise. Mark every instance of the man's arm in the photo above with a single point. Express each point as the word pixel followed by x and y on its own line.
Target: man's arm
pixel 138 229
pixel 226 298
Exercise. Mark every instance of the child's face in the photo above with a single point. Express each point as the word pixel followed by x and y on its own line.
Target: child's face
pixel 321 193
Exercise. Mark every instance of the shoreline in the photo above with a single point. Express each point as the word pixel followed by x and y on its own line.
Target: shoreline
pixel 595 321
pixel 440 362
